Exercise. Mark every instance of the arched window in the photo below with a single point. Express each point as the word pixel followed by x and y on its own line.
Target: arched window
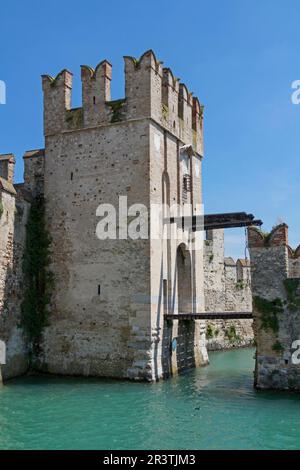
pixel 185 171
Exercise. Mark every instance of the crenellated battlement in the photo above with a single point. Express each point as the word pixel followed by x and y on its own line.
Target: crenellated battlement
pixel 95 93
pixel 57 100
pixel 7 167
pixel 277 239
pixel 151 91
pixel 294 254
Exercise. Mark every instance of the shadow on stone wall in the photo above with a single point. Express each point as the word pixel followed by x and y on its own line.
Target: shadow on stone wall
pixel 11 277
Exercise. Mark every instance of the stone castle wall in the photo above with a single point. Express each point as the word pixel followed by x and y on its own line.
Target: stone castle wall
pixel 15 206
pixel 111 295
pixel 100 320
pixel 276 308
pixel 227 288
pixel 14 212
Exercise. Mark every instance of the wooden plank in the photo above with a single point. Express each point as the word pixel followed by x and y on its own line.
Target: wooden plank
pixel 210 316
pixel 216 221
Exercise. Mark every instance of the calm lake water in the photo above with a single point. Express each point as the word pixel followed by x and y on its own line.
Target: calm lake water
pixel 209 408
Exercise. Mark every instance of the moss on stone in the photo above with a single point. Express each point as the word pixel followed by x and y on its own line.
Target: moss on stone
pixel 136 62
pixel 266 237
pixel 231 334
pixel 117 108
pixel 38 280
pixel 240 285
pixel 269 310
pixel 277 346
pixel 209 331
pixel 74 118
pixel 165 111
pixel 291 287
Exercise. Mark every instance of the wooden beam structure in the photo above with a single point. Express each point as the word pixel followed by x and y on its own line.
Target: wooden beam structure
pixel 230 220
pixel 216 221
pixel 209 316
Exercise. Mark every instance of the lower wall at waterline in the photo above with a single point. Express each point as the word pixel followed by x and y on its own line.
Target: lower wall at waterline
pixel 227 334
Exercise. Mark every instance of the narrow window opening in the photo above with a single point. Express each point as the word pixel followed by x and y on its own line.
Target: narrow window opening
pixel 94 99
pixel 72 176
pixel 187 183
pixel 186 187
pixel 165 294
pixel 99 289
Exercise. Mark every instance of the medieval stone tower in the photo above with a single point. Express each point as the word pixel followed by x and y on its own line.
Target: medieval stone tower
pixel 116 301
pixel 110 296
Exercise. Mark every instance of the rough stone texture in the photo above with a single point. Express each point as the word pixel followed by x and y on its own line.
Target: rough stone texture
pixel 34 169
pixel 271 269
pixel 294 262
pixel 16 201
pixel 228 334
pixel 110 295
pixel 7 166
pixel 12 239
pixel 227 288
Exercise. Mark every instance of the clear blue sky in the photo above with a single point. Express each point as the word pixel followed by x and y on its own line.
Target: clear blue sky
pixel 238 56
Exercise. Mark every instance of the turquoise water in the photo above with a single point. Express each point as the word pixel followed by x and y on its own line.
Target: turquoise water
pixel 210 408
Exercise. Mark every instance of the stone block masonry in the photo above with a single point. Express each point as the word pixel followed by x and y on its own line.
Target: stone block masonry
pixel 14 208
pixel 110 296
pixel 227 288
pixel 276 308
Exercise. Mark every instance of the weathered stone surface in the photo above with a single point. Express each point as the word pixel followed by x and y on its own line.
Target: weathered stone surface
pixel 276 309
pixel 107 312
pixel 227 288
pixel 12 239
pixel 110 296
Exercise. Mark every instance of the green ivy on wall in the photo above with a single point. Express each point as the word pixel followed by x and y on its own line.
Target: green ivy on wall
pixel 291 287
pixel 117 109
pixel 38 279
pixel 277 346
pixel 269 309
pixel 211 332
pixel 231 334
